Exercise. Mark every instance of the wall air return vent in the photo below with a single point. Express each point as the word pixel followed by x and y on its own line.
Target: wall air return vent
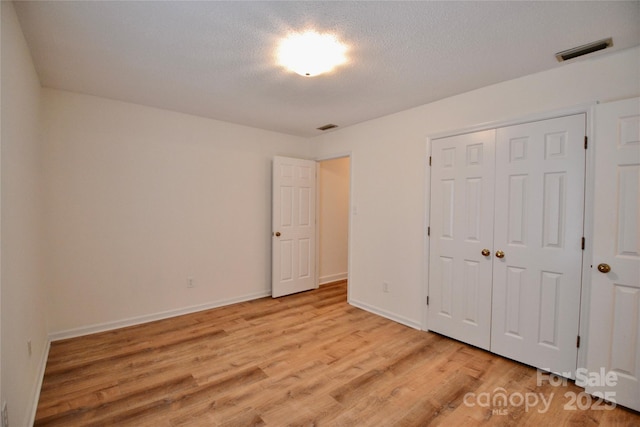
pixel 327 127
pixel 575 52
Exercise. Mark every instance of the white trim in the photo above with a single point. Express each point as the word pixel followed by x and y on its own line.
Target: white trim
pixel 386 314
pixel 546 115
pixel 425 250
pixel 587 255
pixel 316 273
pixel 334 156
pixel 107 326
pixel 39 380
pixel 350 225
pixel 333 278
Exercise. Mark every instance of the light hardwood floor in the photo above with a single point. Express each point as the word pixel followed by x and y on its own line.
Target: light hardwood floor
pixel 306 359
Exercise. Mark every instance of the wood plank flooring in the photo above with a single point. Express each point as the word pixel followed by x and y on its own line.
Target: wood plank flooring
pixel 303 360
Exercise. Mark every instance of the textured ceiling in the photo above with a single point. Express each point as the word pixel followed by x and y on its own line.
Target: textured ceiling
pixel 216 59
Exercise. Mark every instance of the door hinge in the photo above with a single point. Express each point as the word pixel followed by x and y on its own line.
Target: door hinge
pixel 585 142
pixel 429 160
pixel 578 342
pixel 584 243
pixel 428 231
pixel 427 300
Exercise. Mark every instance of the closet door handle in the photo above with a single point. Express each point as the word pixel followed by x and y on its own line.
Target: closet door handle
pixel 604 268
pixel 485 252
pixel 499 254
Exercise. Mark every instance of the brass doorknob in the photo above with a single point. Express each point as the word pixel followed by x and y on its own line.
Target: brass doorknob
pixel 499 254
pixel 277 234
pixel 485 252
pixel 604 268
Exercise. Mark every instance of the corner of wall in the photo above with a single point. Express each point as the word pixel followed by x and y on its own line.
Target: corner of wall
pixel 23 321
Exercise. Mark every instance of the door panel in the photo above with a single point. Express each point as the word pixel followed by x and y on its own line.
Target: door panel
pixel 461 226
pixel 514 302
pixel 614 316
pixel 539 208
pixel 293 240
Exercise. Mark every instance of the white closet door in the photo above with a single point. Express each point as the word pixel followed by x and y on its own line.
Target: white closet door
pixel 539 226
pixel 614 324
pixel 461 227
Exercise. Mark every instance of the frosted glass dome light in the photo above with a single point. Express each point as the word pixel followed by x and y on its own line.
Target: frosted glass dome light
pixel 310 53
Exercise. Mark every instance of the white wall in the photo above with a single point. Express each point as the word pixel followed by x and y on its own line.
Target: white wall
pixel 139 199
pixel 23 304
pixel 389 172
pixel 333 204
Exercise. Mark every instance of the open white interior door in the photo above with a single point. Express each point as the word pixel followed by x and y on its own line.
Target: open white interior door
pixel 294 226
pixel 614 316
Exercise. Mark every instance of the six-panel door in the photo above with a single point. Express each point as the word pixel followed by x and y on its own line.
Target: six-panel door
pixel 294 226
pixel 614 326
pixel 461 227
pixel 539 213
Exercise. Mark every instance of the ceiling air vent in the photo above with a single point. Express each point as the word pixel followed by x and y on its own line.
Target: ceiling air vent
pixel 327 127
pixel 565 55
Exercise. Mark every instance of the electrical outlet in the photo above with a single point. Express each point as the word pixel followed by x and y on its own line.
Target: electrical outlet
pixel 190 283
pixel 29 347
pixel 385 287
pixel 5 415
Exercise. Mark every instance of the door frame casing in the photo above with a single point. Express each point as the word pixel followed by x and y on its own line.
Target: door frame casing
pixel 588 111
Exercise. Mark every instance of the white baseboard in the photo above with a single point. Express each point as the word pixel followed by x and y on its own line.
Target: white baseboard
pixel 386 314
pixel 38 384
pixel 330 278
pixel 107 326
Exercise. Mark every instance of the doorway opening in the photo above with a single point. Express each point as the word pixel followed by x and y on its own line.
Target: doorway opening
pixel 333 207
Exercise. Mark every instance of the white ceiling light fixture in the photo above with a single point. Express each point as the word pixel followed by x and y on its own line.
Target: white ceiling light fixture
pixel 310 54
